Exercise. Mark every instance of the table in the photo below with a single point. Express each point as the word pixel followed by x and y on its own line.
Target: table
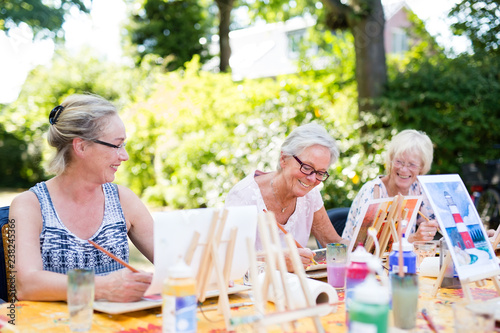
pixel 53 316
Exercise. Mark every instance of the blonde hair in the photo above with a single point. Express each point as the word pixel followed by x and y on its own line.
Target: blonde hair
pixel 412 142
pixel 306 136
pixel 82 116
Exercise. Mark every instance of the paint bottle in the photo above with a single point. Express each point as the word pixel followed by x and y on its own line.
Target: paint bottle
pixel 369 309
pixel 356 272
pixel 179 300
pixel 409 258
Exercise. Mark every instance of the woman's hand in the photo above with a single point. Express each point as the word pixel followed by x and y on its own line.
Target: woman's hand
pixel 425 231
pixel 306 256
pixel 123 286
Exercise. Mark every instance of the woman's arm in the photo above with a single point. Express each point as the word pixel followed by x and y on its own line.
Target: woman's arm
pixel 323 229
pixel 32 282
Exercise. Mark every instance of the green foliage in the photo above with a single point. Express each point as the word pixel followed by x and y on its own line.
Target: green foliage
pixel 455 101
pixel 192 135
pixel 26 120
pixel 12 170
pixel 200 133
pixel 480 22
pixel 169 29
pixel 38 14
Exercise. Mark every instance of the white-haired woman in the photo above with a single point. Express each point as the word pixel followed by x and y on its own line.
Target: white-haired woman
pixel 55 219
pixel 408 155
pixel 291 192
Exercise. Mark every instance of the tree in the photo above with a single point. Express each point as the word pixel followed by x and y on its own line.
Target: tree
pixel 225 8
pixel 41 16
pixel 170 29
pixel 365 19
pixel 480 22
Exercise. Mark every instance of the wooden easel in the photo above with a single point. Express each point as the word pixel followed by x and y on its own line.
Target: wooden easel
pixel 286 315
pixel 480 281
pixel 210 262
pixel 495 239
pixel 385 224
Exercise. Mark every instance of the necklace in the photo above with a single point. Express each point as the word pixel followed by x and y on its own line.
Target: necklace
pixel 276 197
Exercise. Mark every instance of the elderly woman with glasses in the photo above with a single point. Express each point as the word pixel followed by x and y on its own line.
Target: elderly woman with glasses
pixel 56 220
pixel 409 154
pixel 292 192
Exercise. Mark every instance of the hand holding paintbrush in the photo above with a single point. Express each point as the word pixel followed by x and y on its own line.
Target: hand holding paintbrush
pixel 296 243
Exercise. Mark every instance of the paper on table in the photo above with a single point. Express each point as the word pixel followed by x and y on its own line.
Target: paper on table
pixel 321 292
pixel 173 233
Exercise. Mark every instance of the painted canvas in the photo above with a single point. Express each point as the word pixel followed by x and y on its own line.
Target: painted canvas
pixel 463 230
pixel 373 210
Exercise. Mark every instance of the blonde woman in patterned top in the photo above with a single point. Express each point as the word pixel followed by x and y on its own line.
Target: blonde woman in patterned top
pixel 55 219
pixel 409 154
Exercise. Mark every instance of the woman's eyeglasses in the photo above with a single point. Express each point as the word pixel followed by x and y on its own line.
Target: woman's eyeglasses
pixel 107 144
pixel 410 166
pixel 308 170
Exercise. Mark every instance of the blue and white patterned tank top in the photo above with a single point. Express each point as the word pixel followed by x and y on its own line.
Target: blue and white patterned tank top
pixel 61 250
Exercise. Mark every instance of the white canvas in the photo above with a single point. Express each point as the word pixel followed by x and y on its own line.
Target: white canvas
pixel 173 232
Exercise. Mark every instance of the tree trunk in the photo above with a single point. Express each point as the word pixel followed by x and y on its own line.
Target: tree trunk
pixel 365 19
pixel 225 8
pixel 371 68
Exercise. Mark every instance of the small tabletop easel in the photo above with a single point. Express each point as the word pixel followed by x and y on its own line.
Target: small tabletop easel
pixel 479 280
pixel 495 239
pixel 385 224
pixel 210 262
pixel 275 270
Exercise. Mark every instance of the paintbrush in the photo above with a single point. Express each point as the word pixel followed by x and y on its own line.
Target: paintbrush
pixel 111 255
pixel 296 243
pixel 429 320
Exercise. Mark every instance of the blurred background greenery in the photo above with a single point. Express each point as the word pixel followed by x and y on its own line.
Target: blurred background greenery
pixel 194 133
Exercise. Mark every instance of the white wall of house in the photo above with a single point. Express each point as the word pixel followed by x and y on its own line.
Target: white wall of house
pixel 269 50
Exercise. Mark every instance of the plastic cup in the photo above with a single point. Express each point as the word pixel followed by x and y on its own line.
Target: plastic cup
pixel 404 300
pixel 424 250
pixel 261 268
pixel 336 262
pixel 80 295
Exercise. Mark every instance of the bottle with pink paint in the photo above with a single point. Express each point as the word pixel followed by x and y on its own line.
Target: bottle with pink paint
pixel 336 261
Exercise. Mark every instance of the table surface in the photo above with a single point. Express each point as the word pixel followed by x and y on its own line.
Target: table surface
pixel 53 316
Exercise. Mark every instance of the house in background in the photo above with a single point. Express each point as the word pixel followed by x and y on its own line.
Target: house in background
pixel 273 49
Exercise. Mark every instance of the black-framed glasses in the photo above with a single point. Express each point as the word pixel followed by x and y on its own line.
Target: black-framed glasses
pixel 107 144
pixel 308 170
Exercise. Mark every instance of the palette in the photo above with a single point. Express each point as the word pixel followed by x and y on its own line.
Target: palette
pixel 317 271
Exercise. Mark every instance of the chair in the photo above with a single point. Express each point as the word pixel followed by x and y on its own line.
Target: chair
pixel 4 254
pixel 338 218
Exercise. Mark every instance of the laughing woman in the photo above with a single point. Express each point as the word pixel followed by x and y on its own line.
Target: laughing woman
pixel 409 154
pixel 292 192
pixel 55 219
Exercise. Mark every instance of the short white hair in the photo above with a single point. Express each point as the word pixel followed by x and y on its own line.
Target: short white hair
pixel 412 142
pixel 306 136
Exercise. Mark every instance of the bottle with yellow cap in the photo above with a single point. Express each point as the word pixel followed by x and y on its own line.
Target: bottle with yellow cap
pixel 179 300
